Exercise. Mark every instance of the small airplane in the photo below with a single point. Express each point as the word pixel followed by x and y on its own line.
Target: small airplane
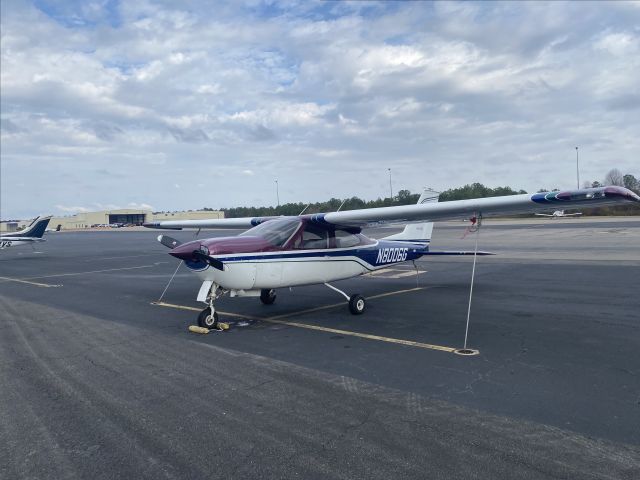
pixel 558 214
pixel 287 251
pixel 28 236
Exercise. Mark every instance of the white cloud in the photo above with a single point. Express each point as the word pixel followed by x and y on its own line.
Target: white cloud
pixel 156 96
pixel 67 209
pixel 618 44
pixel 141 206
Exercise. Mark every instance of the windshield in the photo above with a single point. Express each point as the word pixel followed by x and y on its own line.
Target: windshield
pixel 276 232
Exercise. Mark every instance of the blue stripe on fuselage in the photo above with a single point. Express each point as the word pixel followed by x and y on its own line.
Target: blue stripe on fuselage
pixel 382 253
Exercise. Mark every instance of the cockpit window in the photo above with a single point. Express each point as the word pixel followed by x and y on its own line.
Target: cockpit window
pixel 276 232
pixel 345 239
pixel 313 237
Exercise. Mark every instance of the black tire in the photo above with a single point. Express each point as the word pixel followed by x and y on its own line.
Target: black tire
pixel 357 304
pixel 205 319
pixel 267 296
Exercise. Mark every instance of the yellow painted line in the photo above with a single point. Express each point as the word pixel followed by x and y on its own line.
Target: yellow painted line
pixel 379 272
pixel 363 335
pixel 410 273
pixel 278 320
pixel 8 279
pixel 388 273
pixel 334 305
pixel 194 309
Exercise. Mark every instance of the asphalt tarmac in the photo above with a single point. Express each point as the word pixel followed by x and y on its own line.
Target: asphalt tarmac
pixel 98 382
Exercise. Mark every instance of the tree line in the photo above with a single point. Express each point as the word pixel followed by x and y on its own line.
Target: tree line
pixel 615 177
pixel 406 197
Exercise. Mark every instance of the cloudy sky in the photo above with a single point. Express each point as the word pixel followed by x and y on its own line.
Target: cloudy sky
pixel 182 105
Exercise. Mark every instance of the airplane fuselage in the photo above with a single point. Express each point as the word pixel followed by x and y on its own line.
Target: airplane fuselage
pixel 6 242
pixel 277 269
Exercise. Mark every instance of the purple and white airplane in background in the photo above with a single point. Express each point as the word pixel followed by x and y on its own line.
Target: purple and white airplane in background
pixel 558 214
pixel 28 236
pixel 277 252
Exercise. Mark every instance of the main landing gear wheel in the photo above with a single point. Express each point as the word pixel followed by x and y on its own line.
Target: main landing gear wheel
pixel 206 320
pixel 356 304
pixel 267 296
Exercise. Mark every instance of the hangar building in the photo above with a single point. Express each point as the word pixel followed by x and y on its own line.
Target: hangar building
pixel 122 216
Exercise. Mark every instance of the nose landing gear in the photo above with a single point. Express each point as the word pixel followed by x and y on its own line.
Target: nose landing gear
pixel 209 320
pixel 209 293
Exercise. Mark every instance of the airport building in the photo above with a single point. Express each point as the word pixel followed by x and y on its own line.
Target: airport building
pixel 104 218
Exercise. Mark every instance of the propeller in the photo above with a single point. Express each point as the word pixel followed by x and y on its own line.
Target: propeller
pixel 203 255
pixel 169 242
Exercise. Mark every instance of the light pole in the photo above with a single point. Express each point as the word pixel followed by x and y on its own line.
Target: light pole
pixel 577 168
pixel 277 193
pixel 390 187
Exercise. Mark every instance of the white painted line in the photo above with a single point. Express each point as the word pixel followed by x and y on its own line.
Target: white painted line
pixel 94 271
pixel 17 280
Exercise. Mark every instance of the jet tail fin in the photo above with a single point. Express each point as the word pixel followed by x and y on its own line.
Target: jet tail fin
pixel 35 229
pixel 418 232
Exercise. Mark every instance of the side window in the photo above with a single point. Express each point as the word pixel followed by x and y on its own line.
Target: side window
pixel 313 237
pixel 345 239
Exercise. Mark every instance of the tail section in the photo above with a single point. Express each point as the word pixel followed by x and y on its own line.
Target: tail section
pixel 35 230
pixel 418 232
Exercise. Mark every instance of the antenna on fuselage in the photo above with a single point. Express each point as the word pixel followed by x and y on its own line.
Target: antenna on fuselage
pixel 308 204
pixel 342 204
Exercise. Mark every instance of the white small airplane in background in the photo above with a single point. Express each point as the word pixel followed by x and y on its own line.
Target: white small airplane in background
pixel 558 214
pixel 320 248
pixel 28 236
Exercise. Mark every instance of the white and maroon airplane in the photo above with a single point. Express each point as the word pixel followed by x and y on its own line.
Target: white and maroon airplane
pixel 320 248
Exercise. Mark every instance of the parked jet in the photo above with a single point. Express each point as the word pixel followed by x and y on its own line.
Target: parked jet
pixel 320 248
pixel 30 235
pixel 558 214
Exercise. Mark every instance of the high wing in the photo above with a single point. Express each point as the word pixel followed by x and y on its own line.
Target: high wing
pixel 544 214
pixel 225 223
pixel 485 207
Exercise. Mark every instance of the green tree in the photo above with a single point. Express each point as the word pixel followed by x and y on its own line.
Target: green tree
pixel 631 183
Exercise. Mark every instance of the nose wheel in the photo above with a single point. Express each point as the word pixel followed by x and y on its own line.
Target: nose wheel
pixel 208 320
pixel 208 294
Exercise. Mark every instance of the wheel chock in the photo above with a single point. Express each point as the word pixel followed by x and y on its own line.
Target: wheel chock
pixel 197 329
pixel 223 326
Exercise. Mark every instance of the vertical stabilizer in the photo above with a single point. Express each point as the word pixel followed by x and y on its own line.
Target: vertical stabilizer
pixel 35 229
pixel 418 232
